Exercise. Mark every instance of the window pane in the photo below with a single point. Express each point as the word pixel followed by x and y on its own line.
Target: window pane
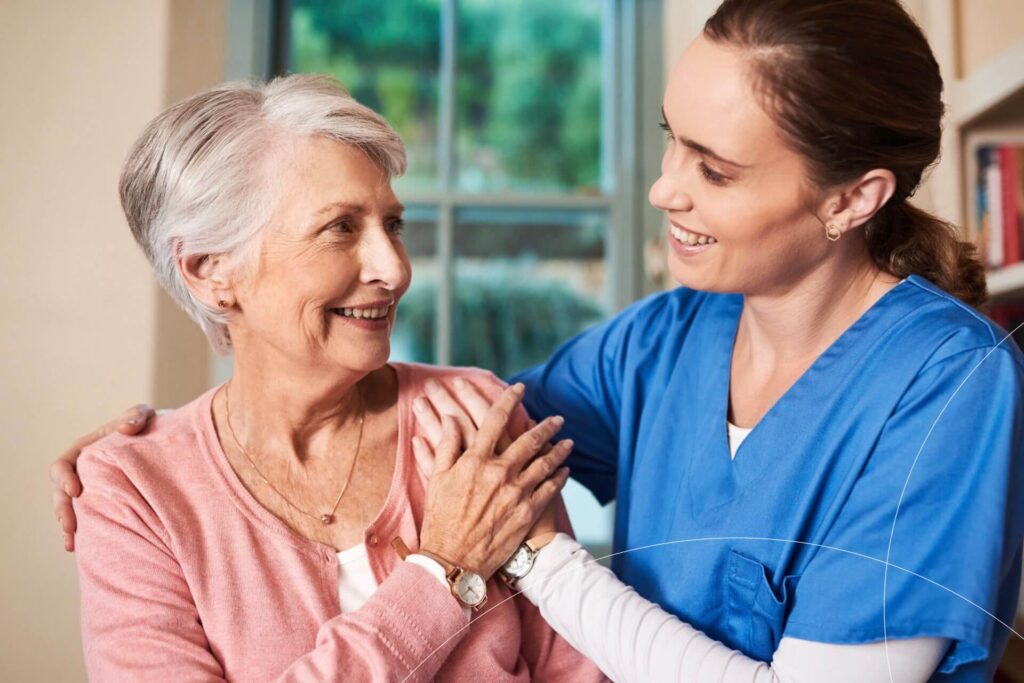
pixel 415 330
pixel 525 281
pixel 387 55
pixel 528 96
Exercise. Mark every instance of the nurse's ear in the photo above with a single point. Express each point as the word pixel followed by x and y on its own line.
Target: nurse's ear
pixel 206 276
pixel 857 201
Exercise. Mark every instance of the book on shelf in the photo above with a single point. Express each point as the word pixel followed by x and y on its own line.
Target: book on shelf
pixel 1000 204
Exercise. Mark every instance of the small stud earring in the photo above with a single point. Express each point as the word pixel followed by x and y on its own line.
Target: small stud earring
pixel 222 303
pixel 832 232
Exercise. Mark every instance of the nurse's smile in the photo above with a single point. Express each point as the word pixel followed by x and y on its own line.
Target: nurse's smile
pixel 688 242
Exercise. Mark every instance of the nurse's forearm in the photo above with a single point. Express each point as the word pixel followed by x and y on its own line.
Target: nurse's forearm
pixel 628 637
pixel 632 639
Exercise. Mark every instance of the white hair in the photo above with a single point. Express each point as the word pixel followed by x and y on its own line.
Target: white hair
pixel 196 182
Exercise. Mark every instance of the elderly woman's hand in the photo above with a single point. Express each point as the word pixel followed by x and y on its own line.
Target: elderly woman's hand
pixel 66 484
pixel 481 502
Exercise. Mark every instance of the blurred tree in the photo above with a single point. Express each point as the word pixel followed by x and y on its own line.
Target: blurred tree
pixel 527 91
pixel 505 323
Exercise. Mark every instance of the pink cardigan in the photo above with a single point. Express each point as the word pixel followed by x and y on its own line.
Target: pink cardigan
pixel 185 577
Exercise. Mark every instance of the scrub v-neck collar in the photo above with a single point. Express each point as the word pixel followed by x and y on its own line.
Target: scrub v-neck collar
pixel 714 477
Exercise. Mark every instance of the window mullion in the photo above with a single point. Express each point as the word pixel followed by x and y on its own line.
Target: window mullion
pixel 446 166
pixel 623 246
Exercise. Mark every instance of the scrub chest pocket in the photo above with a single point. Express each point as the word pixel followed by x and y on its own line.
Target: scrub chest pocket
pixel 757 612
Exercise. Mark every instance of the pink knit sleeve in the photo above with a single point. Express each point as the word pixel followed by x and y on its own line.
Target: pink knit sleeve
pixel 140 623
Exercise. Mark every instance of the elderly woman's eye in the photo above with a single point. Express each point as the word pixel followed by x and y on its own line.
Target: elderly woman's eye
pixel 342 225
pixel 396 226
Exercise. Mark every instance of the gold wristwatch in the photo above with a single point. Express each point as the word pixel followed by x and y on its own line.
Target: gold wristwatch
pixel 521 562
pixel 469 588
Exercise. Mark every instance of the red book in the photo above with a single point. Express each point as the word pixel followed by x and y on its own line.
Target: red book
pixel 1011 209
pixel 1018 192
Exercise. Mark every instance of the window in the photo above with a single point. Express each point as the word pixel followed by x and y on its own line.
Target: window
pixel 525 199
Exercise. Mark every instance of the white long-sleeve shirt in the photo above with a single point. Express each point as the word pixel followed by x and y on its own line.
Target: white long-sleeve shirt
pixel 632 639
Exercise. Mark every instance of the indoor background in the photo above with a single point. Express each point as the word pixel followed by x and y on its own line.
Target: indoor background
pixel 532 133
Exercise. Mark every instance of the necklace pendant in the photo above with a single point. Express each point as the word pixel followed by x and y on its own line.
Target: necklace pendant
pixel 326 519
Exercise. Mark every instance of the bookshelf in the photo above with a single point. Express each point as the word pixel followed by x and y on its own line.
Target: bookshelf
pixel 988 129
pixel 979 45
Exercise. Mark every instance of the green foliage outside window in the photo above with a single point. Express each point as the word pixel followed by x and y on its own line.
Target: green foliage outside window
pixel 503 323
pixel 527 89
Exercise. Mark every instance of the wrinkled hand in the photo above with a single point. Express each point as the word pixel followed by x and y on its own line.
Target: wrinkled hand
pixel 481 502
pixel 66 484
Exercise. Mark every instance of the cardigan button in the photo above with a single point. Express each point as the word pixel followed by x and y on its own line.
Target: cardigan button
pixel 373 540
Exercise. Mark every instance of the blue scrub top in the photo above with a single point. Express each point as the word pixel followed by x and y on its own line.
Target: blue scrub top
pixel 914 407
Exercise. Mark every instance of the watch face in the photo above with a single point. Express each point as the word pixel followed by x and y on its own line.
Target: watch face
pixel 520 563
pixel 472 589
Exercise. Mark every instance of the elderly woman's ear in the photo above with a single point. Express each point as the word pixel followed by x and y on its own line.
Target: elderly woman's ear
pixel 205 275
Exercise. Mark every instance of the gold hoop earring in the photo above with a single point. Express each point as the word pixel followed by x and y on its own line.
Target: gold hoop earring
pixel 832 232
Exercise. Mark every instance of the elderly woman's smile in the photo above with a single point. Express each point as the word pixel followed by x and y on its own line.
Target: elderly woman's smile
pixel 367 314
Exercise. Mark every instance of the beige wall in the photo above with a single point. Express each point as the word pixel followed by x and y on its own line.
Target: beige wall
pixel 984 34
pixel 85 331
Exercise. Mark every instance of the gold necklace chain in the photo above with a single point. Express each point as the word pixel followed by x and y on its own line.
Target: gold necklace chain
pixel 324 518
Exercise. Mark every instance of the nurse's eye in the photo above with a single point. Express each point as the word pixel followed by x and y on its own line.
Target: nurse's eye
pixel 663 124
pixel 711 175
pixel 396 227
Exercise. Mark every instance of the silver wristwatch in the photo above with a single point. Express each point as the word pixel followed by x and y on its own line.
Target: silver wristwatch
pixel 523 559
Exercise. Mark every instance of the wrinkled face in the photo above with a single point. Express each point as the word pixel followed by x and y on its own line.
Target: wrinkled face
pixel 737 199
pixel 331 265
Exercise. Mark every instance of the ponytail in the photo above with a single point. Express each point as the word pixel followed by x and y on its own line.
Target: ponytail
pixel 904 240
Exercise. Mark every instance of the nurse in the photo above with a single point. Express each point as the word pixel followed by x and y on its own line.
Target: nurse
pixel 815 444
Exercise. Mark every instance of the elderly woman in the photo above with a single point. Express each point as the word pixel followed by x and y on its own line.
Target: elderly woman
pixel 248 535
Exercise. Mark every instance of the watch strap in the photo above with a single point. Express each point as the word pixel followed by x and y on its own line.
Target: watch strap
pixel 400 547
pixel 541 540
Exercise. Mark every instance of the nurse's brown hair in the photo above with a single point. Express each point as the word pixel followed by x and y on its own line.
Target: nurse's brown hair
pixel 853 86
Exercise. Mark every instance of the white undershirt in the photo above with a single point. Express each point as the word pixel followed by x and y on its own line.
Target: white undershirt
pixel 356 582
pixel 736 437
pixel 632 639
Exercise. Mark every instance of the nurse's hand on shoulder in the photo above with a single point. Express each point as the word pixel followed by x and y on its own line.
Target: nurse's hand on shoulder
pixel 482 501
pixel 66 484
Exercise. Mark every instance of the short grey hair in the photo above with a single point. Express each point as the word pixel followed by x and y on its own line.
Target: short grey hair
pixel 195 182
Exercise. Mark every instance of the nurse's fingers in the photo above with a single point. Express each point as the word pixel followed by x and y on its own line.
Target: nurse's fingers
pixel 428 420
pixel 63 475
pixel 449 448
pixel 477 406
pixel 445 404
pixel 65 518
pixel 135 419
pixel 424 456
